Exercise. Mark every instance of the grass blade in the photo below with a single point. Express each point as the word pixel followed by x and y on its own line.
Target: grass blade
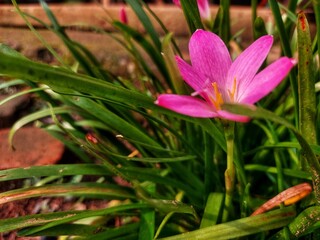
pixel 144 19
pixel 242 227
pixel 54 170
pixel 97 190
pixel 260 113
pixel 306 82
pixel 48 220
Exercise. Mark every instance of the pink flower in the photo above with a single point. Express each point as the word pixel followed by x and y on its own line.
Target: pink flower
pixel 204 9
pixel 123 16
pixel 203 6
pixel 177 2
pixel 218 80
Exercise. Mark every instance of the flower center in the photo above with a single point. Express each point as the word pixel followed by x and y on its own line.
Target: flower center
pixel 218 101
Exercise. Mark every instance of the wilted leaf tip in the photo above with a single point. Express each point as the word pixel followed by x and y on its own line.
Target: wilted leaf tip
pixel 302 20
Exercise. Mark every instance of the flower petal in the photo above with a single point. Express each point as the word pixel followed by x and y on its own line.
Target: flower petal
pixel 204 9
pixel 195 79
pixel 247 64
pixel 186 105
pixel 209 56
pixel 177 2
pixel 233 117
pixel 268 79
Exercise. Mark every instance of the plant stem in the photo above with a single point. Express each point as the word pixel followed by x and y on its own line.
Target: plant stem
pixel 230 171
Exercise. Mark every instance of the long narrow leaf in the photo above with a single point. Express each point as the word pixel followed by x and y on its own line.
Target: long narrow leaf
pixel 137 7
pixel 48 220
pixel 54 170
pixel 153 53
pixel 7 99
pixel 242 227
pixel 74 229
pixel 35 116
pixel 35 32
pixel 306 82
pixel 316 7
pixel 107 191
pixel 62 79
pixel 287 172
pixel 191 13
pixel 287 51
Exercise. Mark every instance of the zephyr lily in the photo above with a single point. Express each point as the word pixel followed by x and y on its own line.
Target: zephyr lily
pixel 218 80
pixel 123 16
pixel 204 9
pixel 203 6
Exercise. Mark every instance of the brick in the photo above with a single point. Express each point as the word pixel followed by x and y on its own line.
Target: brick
pixel 33 146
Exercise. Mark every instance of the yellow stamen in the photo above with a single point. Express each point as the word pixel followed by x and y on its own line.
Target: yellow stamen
pixel 234 88
pixel 219 100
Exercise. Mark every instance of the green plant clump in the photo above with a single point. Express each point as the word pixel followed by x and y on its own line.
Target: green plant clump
pixel 196 156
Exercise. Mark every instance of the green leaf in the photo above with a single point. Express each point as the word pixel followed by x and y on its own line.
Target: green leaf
pixel 147 224
pixel 241 227
pixel 96 190
pixel 217 21
pixel 306 82
pixel 114 121
pixel 290 15
pixel 147 174
pixel 86 60
pixel 259 28
pixel 274 5
pixel 48 220
pixel 215 132
pixel 9 51
pixel 306 219
pixel 35 32
pixel 167 52
pixel 11 83
pixel 144 19
pixel 64 80
pixel 191 13
pixel 164 28
pixel 168 206
pixel 141 174
pixel 316 7
pixel 213 209
pixel 224 27
pixel 287 172
pixel 315 148
pixel 260 113
pixel 118 233
pixel 154 53
pixel 161 159
pixel 75 229
pixel 147 218
pixel 54 170
pixel 7 99
pixel 285 44
pixel 35 116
